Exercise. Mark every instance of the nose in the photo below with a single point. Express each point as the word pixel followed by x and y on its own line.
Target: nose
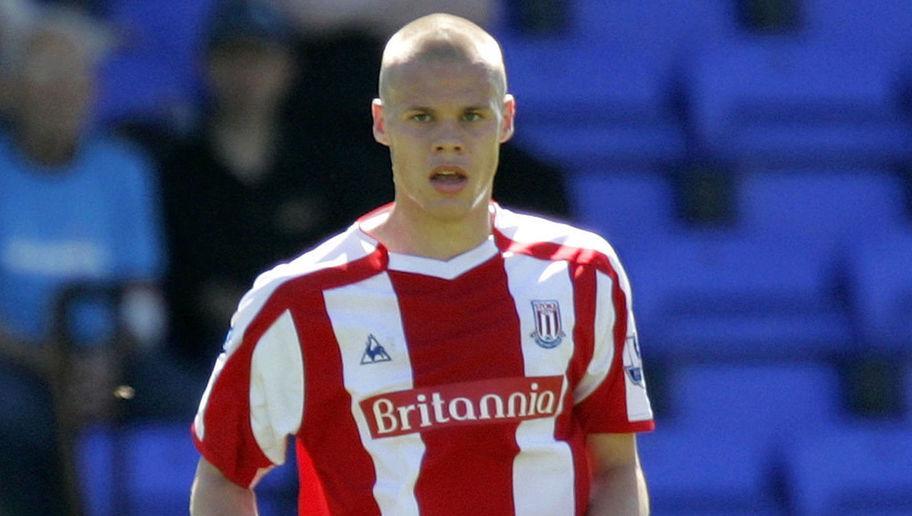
pixel 448 139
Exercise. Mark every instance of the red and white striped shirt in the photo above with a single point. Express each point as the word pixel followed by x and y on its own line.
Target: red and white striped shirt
pixel 420 386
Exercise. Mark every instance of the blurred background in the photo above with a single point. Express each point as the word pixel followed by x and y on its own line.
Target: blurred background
pixel 750 160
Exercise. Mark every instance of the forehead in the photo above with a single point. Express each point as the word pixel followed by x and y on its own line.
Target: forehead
pixel 442 82
pixel 246 48
pixel 55 48
pixel 50 42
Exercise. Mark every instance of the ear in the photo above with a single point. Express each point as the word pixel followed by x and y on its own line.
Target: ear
pixel 509 115
pixel 379 123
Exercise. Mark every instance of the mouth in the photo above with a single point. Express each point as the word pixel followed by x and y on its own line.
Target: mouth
pixel 448 178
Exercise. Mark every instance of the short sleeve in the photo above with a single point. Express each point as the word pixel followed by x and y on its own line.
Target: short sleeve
pixel 255 396
pixel 612 396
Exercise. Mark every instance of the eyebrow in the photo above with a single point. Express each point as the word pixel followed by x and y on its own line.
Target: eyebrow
pixel 431 110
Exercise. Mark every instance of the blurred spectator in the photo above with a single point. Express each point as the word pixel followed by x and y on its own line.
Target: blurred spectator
pixel 285 155
pixel 14 17
pixel 249 190
pixel 75 208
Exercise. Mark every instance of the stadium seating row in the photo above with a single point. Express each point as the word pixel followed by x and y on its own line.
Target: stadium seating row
pixel 148 469
pixel 768 438
pixel 651 82
pixel 774 439
pixel 633 82
pixel 813 261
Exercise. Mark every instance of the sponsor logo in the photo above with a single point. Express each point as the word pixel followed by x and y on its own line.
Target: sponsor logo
pixel 473 403
pixel 633 362
pixel 374 352
pixel 546 314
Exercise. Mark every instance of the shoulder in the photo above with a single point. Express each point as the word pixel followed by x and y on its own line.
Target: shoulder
pixel 550 239
pixel 109 148
pixel 331 259
pixel 118 162
pixel 343 259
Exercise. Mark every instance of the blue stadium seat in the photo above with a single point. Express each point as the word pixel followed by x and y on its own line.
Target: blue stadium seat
pixel 607 93
pixel 148 469
pixel 700 470
pixel 882 290
pixel 796 102
pixel 152 74
pixel 823 208
pixel 859 469
pixel 564 81
pixel 772 401
pixel 160 462
pixel 681 26
pixel 144 469
pixel 95 459
pixel 719 450
pixel 585 105
pixel 881 28
pixel 771 285
pixel 728 295
pixel 632 209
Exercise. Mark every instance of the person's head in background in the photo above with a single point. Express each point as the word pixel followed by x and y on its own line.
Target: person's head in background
pixel 52 82
pixel 15 16
pixel 379 18
pixel 249 64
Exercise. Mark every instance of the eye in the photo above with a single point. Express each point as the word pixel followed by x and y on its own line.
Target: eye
pixel 420 117
pixel 472 116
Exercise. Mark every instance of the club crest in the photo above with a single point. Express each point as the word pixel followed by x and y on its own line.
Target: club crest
pixel 548 332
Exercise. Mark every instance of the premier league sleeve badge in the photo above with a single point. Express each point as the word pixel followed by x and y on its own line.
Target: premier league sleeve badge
pixel 633 362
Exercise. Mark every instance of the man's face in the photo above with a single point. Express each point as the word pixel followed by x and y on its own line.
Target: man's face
pixel 250 75
pixel 56 85
pixel 444 123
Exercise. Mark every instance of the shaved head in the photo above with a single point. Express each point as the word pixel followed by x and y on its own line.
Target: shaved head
pixel 440 38
pixel 443 112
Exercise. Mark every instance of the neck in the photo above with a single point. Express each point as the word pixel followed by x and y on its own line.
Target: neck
pixel 47 148
pixel 245 145
pixel 245 118
pixel 421 235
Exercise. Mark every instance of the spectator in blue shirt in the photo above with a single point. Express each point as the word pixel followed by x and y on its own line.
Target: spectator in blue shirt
pixel 75 208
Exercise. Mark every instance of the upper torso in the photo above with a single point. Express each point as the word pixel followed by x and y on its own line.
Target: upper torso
pixel 92 220
pixel 438 387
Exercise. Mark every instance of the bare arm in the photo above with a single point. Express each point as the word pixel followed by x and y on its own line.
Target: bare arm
pixel 619 487
pixel 214 494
